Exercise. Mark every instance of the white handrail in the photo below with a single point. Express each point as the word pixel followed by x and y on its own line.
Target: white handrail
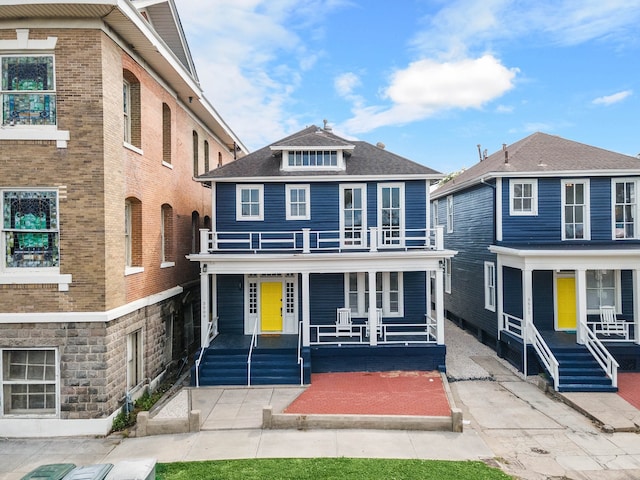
pixel 544 353
pixel 254 341
pixel 300 359
pixel 601 354
pixel 202 349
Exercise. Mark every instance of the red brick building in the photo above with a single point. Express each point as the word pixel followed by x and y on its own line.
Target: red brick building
pixel 104 125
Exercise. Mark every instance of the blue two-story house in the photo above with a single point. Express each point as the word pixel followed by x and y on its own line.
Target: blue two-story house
pixel 319 258
pixel 549 257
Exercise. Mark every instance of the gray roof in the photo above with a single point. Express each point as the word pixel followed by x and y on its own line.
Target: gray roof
pixel 544 155
pixel 365 160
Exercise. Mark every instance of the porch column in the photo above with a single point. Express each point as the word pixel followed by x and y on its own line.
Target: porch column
pixel 439 292
pixel 306 310
pixel 204 305
pixel 636 306
pixel 527 301
pixel 373 316
pixel 499 295
pixel 581 305
pixel 428 292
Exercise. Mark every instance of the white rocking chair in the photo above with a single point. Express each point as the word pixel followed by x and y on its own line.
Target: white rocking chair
pixel 609 323
pixel 344 326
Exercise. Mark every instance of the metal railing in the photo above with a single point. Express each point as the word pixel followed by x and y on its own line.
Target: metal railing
pixel 602 355
pixel 254 342
pixel 307 240
pixel 300 359
pixel 544 353
pixel 203 347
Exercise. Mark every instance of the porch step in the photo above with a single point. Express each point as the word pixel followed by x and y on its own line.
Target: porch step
pixel 580 372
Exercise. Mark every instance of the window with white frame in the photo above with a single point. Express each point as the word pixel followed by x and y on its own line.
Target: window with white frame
pixel 353 215
pixel 435 220
pixel 312 158
pixel 249 202
pixel 447 275
pixel 575 210
pixel 624 208
pixel 28 90
pixel 523 196
pixel 603 289
pixel 389 293
pixel 30 235
pixel 135 359
pixel 450 214
pixel 490 286
pixel 29 382
pixel 298 202
pixel 391 213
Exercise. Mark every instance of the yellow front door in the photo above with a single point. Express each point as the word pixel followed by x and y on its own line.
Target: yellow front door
pixel 566 294
pixel 271 307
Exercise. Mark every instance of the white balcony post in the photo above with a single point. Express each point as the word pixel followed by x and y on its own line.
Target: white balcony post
pixel 581 305
pixel 373 239
pixel 636 306
pixel 204 240
pixel 439 238
pixel 373 313
pixel 306 240
pixel 439 291
pixel 204 306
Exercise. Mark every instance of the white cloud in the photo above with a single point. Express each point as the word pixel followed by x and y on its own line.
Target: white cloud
pixel 345 83
pixel 426 87
pixel 611 99
pixel 504 109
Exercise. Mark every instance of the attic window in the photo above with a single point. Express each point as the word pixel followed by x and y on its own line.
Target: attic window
pixel 306 158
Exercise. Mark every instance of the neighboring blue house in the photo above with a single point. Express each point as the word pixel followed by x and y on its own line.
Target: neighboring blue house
pixel 303 231
pixel 549 256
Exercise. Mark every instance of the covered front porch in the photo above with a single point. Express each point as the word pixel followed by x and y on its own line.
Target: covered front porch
pixel 587 296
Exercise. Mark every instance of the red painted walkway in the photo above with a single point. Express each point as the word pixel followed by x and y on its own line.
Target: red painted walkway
pixel 374 393
pixel 629 387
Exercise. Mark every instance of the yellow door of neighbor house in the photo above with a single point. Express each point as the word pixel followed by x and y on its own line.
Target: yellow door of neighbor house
pixel 271 307
pixel 566 297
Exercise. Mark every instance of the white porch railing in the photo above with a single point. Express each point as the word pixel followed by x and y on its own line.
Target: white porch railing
pixel 602 355
pixel 212 331
pixel 300 359
pixel 623 331
pixel 254 342
pixel 390 333
pixel 308 241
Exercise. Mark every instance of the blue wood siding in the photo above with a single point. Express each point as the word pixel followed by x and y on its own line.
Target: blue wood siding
pixel 415 298
pixel 230 304
pixel 326 293
pixel 543 306
pixel 512 291
pixel 600 209
pixel 473 232
pixel 627 293
pixel 325 207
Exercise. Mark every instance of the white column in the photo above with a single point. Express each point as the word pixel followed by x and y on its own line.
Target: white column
pixel 636 306
pixel 499 294
pixel 306 310
pixel 581 305
pixel 439 291
pixel 204 305
pixel 527 313
pixel 373 317
pixel 428 292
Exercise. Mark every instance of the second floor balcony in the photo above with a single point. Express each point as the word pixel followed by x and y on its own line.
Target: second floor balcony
pixel 318 241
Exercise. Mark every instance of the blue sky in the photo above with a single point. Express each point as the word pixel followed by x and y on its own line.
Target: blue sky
pixel 431 79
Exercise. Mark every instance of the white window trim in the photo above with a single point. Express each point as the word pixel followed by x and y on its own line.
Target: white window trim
pixel 307 190
pixel 490 286
pixel 55 414
pixel 587 208
pixel 534 196
pixel 248 218
pixel 297 168
pixel 435 216
pixel 363 187
pixel 447 275
pixel 362 308
pixel 139 361
pixel 400 186
pixel 618 292
pixel 450 214
pixel 613 208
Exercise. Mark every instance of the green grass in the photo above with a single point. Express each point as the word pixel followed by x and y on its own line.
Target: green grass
pixel 328 468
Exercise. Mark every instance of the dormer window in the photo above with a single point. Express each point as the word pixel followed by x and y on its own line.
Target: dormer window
pixel 322 158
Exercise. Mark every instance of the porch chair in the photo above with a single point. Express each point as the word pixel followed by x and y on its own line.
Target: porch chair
pixel 610 325
pixel 344 326
pixel 378 322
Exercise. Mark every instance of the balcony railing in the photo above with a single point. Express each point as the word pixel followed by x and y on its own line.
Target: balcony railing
pixel 312 241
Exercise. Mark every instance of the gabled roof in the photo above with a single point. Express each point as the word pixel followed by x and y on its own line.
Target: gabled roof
pixel 364 161
pixel 543 155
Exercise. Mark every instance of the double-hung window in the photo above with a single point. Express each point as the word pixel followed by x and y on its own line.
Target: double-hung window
pixel 298 202
pixel 523 197
pixel 391 213
pixel 353 215
pixel 447 275
pixel 249 202
pixel 603 289
pixel 29 382
pixel 624 208
pixel 389 293
pixel 490 286
pixel 450 214
pixel 435 220
pixel 28 90
pixel 575 210
pixel 30 235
